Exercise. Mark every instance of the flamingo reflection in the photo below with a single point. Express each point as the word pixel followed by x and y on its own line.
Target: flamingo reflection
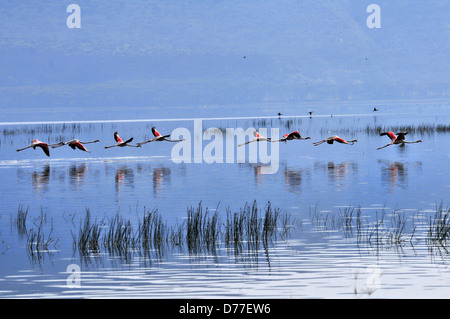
pixel 77 174
pixel 124 176
pixel 393 174
pixel 160 175
pixel 41 179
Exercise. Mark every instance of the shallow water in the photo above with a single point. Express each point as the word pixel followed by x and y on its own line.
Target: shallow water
pixel 312 184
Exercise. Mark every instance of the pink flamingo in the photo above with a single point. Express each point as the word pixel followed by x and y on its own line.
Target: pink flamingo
pixel 159 138
pixel 37 143
pixel 292 136
pixel 335 138
pixel 74 144
pixel 258 138
pixel 396 139
pixel 120 142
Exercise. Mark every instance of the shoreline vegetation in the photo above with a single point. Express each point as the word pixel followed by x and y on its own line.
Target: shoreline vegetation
pixel 243 233
pixel 288 123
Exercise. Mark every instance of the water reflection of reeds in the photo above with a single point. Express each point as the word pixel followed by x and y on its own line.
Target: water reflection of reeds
pixel 387 230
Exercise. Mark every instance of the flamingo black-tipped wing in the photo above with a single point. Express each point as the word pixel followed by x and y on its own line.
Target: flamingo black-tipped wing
pixel 128 141
pixel 45 148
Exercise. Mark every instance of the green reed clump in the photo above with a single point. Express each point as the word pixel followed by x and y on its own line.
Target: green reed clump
pixel 412 129
pixel 250 225
pixel 88 235
pixel 21 220
pixel 152 231
pixel 270 222
pixel 37 242
pixel 200 232
pixel 442 128
pixel 202 229
pixel 120 237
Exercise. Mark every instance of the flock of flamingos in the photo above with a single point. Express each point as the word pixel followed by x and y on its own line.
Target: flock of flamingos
pixel 398 138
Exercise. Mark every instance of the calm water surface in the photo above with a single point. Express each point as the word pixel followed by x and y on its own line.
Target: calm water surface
pixel 318 257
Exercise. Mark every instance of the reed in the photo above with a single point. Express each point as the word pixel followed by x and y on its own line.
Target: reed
pixel 120 237
pixel 88 235
pixel 201 232
pixel 439 226
pixel 37 242
pixel 21 221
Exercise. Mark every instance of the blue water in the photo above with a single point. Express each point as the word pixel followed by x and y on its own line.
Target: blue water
pixel 126 181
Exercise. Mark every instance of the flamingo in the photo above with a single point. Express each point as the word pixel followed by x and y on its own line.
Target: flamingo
pixel 292 136
pixel 398 138
pixel 258 138
pixel 159 138
pixel 335 138
pixel 120 142
pixel 74 144
pixel 36 143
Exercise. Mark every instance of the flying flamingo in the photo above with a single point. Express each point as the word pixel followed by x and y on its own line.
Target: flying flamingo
pixel 292 136
pixel 258 138
pixel 120 142
pixel 74 144
pixel 397 139
pixel 37 143
pixel 334 138
pixel 158 138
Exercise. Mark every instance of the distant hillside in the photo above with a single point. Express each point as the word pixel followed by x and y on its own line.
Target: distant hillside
pixel 220 52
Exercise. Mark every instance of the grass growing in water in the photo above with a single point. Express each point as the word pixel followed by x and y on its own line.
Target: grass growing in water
pixel 200 232
pixel 439 227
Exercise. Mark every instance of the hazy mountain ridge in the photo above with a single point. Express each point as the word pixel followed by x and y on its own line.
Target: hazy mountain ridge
pixel 199 52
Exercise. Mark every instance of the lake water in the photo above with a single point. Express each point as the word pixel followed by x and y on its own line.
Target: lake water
pixel 318 253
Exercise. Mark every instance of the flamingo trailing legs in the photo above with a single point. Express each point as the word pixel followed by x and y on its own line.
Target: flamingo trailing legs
pixel 398 138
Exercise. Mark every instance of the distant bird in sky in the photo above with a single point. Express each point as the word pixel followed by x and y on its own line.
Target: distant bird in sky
pixel 37 143
pixel 292 136
pixel 335 138
pixel 398 138
pixel 74 144
pixel 258 138
pixel 375 109
pixel 120 142
pixel 159 138
pixel 310 113
pixel 279 114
